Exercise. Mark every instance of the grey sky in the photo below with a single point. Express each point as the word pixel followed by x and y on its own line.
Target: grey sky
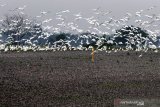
pixel 118 7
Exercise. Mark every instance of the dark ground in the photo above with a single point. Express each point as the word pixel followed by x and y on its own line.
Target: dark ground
pixel 69 79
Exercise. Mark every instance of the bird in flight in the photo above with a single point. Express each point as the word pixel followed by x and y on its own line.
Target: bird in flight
pixel 2 5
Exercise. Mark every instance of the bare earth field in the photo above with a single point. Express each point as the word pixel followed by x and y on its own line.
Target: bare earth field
pixel 70 79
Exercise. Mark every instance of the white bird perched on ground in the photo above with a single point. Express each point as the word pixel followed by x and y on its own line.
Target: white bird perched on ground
pixel 140 55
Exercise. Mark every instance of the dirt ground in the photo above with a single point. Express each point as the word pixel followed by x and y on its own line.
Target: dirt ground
pixel 70 79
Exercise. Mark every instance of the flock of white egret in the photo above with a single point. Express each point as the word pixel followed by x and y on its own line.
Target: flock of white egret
pixel 102 22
